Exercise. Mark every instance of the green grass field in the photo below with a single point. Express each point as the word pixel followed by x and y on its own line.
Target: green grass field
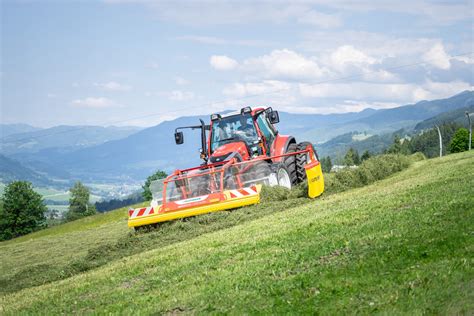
pixel 401 245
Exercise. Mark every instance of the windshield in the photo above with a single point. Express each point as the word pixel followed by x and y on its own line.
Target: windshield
pixel 233 128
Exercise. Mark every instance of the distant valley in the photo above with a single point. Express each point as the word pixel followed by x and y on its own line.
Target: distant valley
pixel 125 156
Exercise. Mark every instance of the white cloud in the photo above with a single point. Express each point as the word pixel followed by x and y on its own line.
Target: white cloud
pixel 359 91
pixel 380 92
pixel 337 97
pixel 347 54
pixel 91 102
pixel 468 59
pixel 178 95
pixel 376 45
pixel 113 86
pixel 437 57
pixel 439 90
pixel 284 64
pixel 239 90
pixel 320 19
pixel 181 81
pixel 222 62
pixel 289 65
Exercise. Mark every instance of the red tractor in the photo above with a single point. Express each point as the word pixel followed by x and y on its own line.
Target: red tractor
pixel 240 152
pixel 251 134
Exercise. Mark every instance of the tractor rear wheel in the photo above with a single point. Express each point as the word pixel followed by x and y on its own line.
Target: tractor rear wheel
pixel 302 160
pixel 286 174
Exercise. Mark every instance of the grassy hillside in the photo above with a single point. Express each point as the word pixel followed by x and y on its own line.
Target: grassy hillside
pixel 401 245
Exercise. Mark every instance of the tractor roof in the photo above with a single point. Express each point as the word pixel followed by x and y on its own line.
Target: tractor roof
pixel 237 112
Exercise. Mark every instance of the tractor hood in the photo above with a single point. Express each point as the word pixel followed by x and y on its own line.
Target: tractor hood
pixel 227 151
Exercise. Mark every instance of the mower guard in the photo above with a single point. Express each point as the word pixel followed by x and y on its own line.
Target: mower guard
pixel 219 186
pixel 314 176
pixel 195 206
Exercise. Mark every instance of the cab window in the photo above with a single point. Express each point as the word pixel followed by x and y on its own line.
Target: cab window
pixel 233 128
pixel 266 128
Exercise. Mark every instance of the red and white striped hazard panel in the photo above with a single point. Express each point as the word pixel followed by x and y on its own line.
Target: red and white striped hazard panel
pixel 144 211
pixel 243 192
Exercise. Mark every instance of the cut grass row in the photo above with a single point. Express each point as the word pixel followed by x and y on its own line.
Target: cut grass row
pixel 403 245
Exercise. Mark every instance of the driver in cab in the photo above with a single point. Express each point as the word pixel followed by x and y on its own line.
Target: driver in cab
pixel 246 129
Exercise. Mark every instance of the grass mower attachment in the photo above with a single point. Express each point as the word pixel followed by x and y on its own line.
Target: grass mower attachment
pixel 222 186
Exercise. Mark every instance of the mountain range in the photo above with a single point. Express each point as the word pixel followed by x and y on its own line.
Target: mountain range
pixel 10 129
pixel 127 154
pixel 63 137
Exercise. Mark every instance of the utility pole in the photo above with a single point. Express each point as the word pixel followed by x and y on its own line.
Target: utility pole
pixel 470 128
pixel 440 142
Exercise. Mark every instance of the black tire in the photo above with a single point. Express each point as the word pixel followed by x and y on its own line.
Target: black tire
pixel 289 163
pixel 301 161
pixel 230 183
pixel 257 170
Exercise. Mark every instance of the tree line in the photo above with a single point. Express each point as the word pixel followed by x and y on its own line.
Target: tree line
pixel 455 138
pixel 23 211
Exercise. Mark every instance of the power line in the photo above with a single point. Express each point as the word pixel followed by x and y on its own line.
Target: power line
pixel 244 97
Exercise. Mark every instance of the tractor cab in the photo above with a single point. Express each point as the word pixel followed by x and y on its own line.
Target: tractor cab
pixel 233 134
pixel 244 135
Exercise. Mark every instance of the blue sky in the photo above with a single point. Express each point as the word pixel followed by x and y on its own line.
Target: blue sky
pixel 141 62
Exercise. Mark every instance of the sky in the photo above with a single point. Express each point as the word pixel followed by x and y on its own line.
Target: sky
pixel 134 62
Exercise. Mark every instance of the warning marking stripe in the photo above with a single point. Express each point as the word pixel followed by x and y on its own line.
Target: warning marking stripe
pixel 145 211
pixel 132 213
pixel 243 192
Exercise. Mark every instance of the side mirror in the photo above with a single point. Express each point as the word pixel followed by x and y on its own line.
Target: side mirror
pixel 273 117
pixel 178 138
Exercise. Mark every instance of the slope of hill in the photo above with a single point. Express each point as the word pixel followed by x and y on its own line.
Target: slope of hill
pixel 417 112
pixel 402 245
pixel 457 116
pixel 390 120
pixel 11 170
pixel 338 146
pixel 10 129
pixel 64 138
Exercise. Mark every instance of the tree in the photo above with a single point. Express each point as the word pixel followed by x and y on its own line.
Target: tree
pixel 352 157
pixel 396 147
pixel 460 141
pixel 326 164
pixel 79 205
pixel 22 211
pixel 427 142
pixel 366 155
pixel 147 195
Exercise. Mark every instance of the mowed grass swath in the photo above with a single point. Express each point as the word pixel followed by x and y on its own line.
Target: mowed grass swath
pixel 400 245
